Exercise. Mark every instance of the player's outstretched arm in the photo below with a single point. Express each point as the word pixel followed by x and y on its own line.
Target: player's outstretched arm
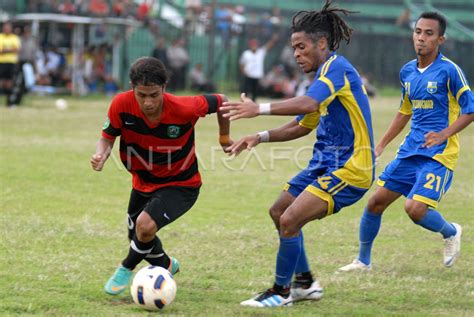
pixel 289 131
pixel 435 138
pixel 397 125
pixel 102 152
pixel 246 108
pixel 224 127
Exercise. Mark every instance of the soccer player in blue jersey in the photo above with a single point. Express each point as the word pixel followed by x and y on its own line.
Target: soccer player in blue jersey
pixel 437 98
pixel 341 169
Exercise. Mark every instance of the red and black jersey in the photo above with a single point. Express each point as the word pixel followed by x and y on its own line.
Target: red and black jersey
pixel 161 154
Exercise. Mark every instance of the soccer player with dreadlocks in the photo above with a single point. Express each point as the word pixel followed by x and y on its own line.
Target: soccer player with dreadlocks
pixel 342 167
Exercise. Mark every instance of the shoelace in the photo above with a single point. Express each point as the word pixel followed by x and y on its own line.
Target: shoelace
pixel 268 293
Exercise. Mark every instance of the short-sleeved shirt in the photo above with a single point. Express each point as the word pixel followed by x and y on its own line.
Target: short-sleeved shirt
pixel 9 41
pixel 253 62
pixel 159 154
pixel 344 136
pixel 435 97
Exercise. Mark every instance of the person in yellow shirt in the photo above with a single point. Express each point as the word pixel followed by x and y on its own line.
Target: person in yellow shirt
pixel 9 50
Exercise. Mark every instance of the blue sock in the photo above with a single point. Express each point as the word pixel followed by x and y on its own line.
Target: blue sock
pixel 433 221
pixel 368 230
pixel 302 264
pixel 287 257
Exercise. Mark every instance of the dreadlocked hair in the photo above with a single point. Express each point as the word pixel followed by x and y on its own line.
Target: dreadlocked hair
pixel 327 22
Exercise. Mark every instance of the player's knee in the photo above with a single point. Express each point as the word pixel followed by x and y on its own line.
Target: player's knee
pixel 416 210
pixel 288 226
pixel 145 228
pixel 275 213
pixel 376 205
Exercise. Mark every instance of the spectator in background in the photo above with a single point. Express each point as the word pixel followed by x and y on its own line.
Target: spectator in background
pixel 199 81
pixel 67 8
pixel 99 8
pixel 288 61
pixel 252 65
pixel 10 45
pixel 143 10
pixel 26 72
pixel 178 59
pixel 160 51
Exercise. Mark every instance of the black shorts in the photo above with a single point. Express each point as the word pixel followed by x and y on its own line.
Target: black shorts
pixel 7 71
pixel 164 205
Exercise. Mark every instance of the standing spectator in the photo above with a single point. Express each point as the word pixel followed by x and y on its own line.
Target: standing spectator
pixel 178 60
pixel 25 72
pixel 160 51
pixel 252 63
pixel 9 50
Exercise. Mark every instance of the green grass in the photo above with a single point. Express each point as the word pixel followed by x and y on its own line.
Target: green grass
pixel 63 227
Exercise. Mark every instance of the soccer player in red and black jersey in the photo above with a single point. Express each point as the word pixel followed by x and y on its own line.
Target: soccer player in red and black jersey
pixel 156 132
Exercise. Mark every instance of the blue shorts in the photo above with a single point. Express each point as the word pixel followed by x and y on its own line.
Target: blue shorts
pixel 327 186
pixel 417 177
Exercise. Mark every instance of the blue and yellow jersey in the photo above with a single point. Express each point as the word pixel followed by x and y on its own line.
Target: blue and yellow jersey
pixel 435 98
pixel 344 136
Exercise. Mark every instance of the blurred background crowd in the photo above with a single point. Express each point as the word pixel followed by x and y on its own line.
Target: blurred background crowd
pixel 86 46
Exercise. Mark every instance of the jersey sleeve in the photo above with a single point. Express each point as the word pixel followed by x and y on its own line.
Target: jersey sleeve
pixel 459 88
pixel 329 82
pixel 310 120
pixel 405 104
pixel 207 104
pixel 113 123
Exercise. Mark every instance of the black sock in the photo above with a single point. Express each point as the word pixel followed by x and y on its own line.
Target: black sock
pixel 281 290
pixel 157 256
pixel 137 252
pixel 304 279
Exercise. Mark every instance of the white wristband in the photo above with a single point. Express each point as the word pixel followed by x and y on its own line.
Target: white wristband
pixel 264 136
pixel 264 108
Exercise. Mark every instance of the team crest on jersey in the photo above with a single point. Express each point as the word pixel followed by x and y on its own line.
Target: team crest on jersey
pixel 432 87
pixel 173 131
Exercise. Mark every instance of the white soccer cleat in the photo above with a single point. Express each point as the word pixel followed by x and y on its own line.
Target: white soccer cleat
pixel 356 265
pixel 268 299
pixel 452 247
pixel 314 292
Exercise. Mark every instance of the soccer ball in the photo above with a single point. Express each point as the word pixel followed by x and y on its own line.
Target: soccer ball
pixel 153 288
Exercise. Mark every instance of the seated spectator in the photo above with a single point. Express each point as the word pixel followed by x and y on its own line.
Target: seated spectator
pixel 199 81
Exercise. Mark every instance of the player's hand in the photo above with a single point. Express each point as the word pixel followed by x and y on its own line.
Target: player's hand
pixel 378 152
pixel 247 142
pixel 434 138
pixel 246 108
pixel 97 162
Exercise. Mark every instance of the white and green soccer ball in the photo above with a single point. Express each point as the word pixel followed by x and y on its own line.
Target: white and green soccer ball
pixel 153 288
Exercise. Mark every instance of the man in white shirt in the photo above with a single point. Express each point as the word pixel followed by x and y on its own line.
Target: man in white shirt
pixel 252 64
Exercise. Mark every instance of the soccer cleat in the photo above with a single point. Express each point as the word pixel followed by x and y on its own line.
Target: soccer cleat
pixel 269 299
pixel 119 281
pixel 452 247
pixel 299 292
pixel 174 266
pixel 356 265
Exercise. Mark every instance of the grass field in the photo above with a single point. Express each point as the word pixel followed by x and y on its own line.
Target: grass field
pixel 63 227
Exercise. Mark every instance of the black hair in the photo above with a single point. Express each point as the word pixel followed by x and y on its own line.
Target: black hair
pixel 326 23
pixel 435 16
pixel 148 71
